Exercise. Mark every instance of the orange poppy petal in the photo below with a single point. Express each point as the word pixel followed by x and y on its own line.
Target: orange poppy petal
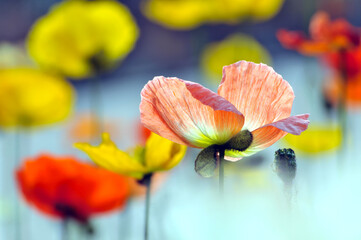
pixel 297 41
pixel 320 25
pixel 258 92
pixel 187 113
pixel 267 135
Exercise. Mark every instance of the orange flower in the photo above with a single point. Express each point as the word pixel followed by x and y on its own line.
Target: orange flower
pixel 250 112
pixel 87 127
pixel 65 188
pixel 325 36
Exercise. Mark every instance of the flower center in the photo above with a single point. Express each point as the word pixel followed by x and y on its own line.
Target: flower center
pixel 240 142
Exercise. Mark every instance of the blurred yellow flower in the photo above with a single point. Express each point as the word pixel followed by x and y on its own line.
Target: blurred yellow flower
pixel 188 14
pixel 262 10
pixel 184 14
pixel 78 37
pixel 159 154
pixel 29 97
pixel 319 138
pixel 235 47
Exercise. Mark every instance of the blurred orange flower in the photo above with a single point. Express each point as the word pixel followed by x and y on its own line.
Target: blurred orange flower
pixel 65 188
pixel 86 127
pixel 325 36
pixel 338 44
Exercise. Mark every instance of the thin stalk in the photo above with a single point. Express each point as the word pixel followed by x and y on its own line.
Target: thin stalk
pixel 220 161
pixel 342 114
pixel 17 160
pixel 64 230
pixel 147 183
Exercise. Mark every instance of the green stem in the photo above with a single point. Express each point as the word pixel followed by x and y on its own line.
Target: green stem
pixel 147 183
pixel 220 160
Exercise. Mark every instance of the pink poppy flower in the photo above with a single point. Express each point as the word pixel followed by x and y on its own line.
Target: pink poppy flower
pixel 250 112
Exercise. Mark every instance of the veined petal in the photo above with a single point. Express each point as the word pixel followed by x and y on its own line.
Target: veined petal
pixel 187 113
pixel 162 154
pixel 267 135
pixel 108 156
pixel 258 92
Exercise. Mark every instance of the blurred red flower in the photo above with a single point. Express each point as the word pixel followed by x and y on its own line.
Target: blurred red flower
pixel 65 188
pixel 325 36
pixel 338 44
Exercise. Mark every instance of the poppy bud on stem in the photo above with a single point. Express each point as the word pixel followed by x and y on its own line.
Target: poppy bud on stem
pixel 285 166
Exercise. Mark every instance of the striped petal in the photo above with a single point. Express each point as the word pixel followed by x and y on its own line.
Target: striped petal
pixel 267 135
pixel 187 113
pixel 258 92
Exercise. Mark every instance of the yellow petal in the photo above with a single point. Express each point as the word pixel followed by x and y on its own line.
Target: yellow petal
pixel 318 138
pixel 30 97
pixel 108 156
pixel 162 154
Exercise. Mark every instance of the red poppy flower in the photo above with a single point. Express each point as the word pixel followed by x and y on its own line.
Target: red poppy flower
pixel 65 188
pixel 325 36
pixel 250 112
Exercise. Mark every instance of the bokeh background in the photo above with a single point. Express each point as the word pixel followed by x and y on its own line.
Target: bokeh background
pixel 174 40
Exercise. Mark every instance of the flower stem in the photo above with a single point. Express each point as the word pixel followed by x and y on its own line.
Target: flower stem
pixel 147 183
pixel 17 156
pixel 342 114
pixel 220 160
pixel 64 229
pixel 95 103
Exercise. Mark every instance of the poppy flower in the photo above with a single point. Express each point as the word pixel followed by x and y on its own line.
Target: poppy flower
pixel 325 36
pixel 63 187
pixel 28 96
pixel 188 14
pixel 250 112
pixel 158 154
pixel 79 38
pixel 86 127
pixel 338 44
